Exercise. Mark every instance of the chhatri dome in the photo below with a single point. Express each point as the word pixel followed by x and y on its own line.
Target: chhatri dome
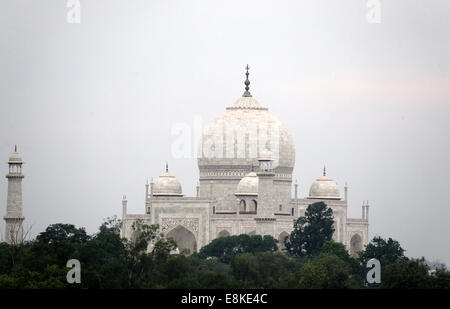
pixel 248 185
pixel 15 157
pixel 324 188
pixel 236 139
pixel 167 185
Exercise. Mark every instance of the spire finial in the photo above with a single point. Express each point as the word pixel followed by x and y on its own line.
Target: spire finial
pixel 15 148
pixel 324 171
pixel 247 83
pixel 167 167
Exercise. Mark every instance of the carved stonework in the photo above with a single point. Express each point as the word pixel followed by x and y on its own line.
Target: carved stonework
pixel 190 223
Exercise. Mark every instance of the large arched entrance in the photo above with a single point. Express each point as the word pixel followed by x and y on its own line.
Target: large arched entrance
pixel 355 245
pixel 184 238
pixel 281 239
pixel 223 233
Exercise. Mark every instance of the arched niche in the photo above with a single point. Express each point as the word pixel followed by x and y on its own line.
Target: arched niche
pixel 242 206
pixel 223 233
pixel 356 245
pixel 281 239
pixel 254 206
pixel 184 238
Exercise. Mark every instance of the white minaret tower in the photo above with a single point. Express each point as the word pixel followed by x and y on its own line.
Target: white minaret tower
pixel 14 217
pixel 265 219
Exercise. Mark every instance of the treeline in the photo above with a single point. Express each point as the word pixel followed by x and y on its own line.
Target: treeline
pixel 310 260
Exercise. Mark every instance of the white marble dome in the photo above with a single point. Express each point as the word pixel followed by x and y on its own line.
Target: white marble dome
pixel 238 137
pixel 324 188
pixel 167 185
pixel 248 185
pixel 15 158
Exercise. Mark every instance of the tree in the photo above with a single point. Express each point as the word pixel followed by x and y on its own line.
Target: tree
pixel 60 242
pixel 406 274
pixel 102 258
pixel 267 270
pixel 326 271
pixel 386 251
pixel 56 234
pixel 440 279
pixel 139 260
pixel 311 231
pixel 224 248
pixel 357 270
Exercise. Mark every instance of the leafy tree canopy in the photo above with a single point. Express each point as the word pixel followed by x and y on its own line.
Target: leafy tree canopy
pixel 311 231
pixel 386 251
pixel 225 248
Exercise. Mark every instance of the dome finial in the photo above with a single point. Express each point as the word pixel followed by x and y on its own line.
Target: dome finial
pixel 324 171
pixel 15 148
pixel 167 167
pixel 247 83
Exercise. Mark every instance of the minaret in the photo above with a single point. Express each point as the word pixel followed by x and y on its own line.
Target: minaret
pixel 365 210
pixel 151 187
pixel 124 207
pixel 14 217
pixel 147 198
pixel 146 190
pixel 296 189
pixel 265 219
pixel 346 193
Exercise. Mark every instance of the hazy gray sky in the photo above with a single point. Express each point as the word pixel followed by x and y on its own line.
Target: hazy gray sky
pixel 91 105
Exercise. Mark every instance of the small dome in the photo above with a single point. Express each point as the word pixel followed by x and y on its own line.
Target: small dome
pixel 167 185
pixel 248 185
pixel 324 188
pixel 15 158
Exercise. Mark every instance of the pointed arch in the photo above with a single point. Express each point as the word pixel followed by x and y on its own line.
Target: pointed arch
pixel 283 235
pixel 242 206
pixel 223 233
pixel 184 238
pixel 254 206
pixel 356 245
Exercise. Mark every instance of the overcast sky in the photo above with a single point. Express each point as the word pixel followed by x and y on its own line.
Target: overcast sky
pixel 91 105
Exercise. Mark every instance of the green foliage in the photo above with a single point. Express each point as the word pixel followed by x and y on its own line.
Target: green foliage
pixel 327 271
pixel 264 270
pixel 225 248
pixel 62 241
pixel 386 251
pixel 356 268
pixel 146 261
pixel 311 231
pixel 440 279
pixel 406 274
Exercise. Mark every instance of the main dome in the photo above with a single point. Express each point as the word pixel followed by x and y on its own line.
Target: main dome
pixel 236 139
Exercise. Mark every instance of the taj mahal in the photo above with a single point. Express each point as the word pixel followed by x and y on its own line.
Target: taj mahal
pixel 246 157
